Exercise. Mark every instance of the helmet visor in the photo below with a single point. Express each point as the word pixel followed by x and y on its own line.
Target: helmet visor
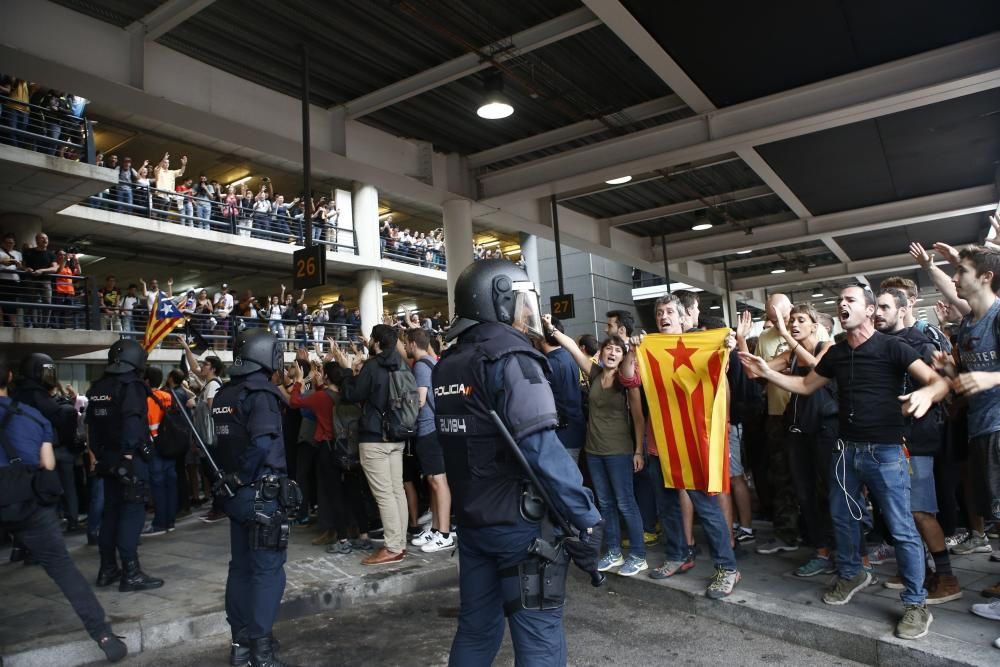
pixel 48 375
pixel 527 316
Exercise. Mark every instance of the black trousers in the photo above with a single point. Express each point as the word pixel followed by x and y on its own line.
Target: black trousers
pixel 40 534
pixel 70 503
pixel 810 456
pixel 341 495
pixel 305 474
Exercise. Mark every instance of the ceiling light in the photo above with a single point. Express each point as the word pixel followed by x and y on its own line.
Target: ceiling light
pixel 495 104
pixel 714 307
pixel 702 226
pixel 830 302
pixel 776 271
pixel 619 180
pixel 743 252
pixel 240 181
pixel 817 295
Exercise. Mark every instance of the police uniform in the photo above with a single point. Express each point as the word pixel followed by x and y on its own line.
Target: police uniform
pixel 118 431
pixel 24 430
pixel 495 367
pixel 247 418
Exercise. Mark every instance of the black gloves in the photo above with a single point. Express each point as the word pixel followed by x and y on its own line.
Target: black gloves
pixel 228 480
pixel 586 549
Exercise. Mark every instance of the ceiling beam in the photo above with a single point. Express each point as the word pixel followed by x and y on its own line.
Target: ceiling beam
pixel 788 256
pixel 645 178
pixel 690 206
pixel 166 17
pixel 876 265
pixel 935 76
pixel 872 218
pixel 583 128
pixel 535 37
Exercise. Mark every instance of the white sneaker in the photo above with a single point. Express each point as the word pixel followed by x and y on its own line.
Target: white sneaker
pixel 423 538
pixel 438 542
pixel 425 519
pixel 990 610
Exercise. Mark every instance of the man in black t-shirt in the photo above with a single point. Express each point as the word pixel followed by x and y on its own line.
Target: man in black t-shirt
pixel 869 368
pixel 39 262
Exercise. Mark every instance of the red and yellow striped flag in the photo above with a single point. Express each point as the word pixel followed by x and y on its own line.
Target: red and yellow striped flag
pixel 684 380
pixel 162 320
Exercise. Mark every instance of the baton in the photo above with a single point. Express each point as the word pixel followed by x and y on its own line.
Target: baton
pixel 596 578
pixel 217 472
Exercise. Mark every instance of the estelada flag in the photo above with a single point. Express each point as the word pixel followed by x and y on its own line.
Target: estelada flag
pixel 162 320
pixel 684 380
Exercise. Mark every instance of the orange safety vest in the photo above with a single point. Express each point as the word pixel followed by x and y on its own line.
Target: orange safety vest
pixel 64 286
pixel 155 412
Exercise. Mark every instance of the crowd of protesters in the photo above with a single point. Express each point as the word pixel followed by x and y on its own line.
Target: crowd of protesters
pixel 41 119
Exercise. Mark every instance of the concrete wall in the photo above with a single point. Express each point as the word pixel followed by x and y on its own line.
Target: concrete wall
pixel 597 285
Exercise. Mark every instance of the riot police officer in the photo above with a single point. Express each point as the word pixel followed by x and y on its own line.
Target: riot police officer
pixel 34 387
pixel 495 367
pixel 118 432
pixel 246 414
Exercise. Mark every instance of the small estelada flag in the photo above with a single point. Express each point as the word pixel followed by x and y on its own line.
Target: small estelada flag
pixel 162 320
pixel 684 380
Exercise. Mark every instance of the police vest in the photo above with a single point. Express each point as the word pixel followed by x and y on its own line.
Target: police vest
pixel 104 415
pixel 229 420
pixel 485 481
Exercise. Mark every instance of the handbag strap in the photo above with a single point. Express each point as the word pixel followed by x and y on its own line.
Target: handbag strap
pixel 8 449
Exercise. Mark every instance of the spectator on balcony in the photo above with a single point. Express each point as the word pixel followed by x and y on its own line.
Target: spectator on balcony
pixel 332 218
pixel 320 213
pixel 338 317
pixel 354 321
pixel 39 262
pixel 319 319
pixel 52 109
pixel 15 111
pixel 11 264
pixel 223 305
pixel 111 298
pixel 185 203
pixel 127 176
pixel 384 232
pixel 141 193
pixel 166 182
pixel 303 324
pixel 246 210
pixel 154 291
pixel 275 311
pixel 231 209
pixel 281 220
pixel 262 215
pixel 203 311
pixel 129 304
pixel 65 290
pixel 204 194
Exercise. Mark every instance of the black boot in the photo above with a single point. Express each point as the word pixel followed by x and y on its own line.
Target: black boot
pixel 109 572
pixel 239 650
pixel 113 646
pixel 17 554
pixel 134 579
pixel 262 654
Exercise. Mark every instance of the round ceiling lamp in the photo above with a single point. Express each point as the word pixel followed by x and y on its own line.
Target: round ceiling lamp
pixel 495 104
pixel 619 180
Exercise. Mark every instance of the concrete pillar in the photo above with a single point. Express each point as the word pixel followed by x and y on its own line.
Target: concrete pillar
pixel 345 223
pixel 458 243
pixel 365 214
pixel 529 254
pixel 369 299
pixel 24 226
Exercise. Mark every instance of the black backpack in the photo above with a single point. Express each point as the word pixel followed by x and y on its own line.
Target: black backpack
pixel 173 438
pixel 399 421
pixel 22 487
pixel 347 433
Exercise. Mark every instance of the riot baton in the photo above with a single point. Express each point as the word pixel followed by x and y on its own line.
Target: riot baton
pixel 217 472
pixel 596 578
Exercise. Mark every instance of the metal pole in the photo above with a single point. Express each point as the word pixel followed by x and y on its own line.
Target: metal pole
pixel 306 148
pixel 666 266
pixel 729 302
pixel 555 236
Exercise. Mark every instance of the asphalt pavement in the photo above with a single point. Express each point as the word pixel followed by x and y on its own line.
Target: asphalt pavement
pixel 603 627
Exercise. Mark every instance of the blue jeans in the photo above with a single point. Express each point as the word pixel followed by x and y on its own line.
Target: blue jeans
pixel 95 510
pixel 187 213
pixel 668 505
pixel 537 636
pixel 883 468
pixel 204 212
pixel 163 484
pixel 612 479
pixel 16 120
pixel 125 199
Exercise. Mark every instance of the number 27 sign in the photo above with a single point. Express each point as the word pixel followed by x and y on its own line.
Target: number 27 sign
pixel 563 306
pixel 309 267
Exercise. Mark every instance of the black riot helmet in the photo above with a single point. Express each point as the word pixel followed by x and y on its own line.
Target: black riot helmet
pixel 40 368
pixel 256 350
pixel 495 290
pixel 126 356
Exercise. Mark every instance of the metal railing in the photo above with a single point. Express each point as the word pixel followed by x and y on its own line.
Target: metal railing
pixel 199 212
pixel 48 301
pixel 53 129
pixel 428 258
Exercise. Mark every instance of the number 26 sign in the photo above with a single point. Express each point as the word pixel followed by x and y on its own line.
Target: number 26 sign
pixel 309 267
